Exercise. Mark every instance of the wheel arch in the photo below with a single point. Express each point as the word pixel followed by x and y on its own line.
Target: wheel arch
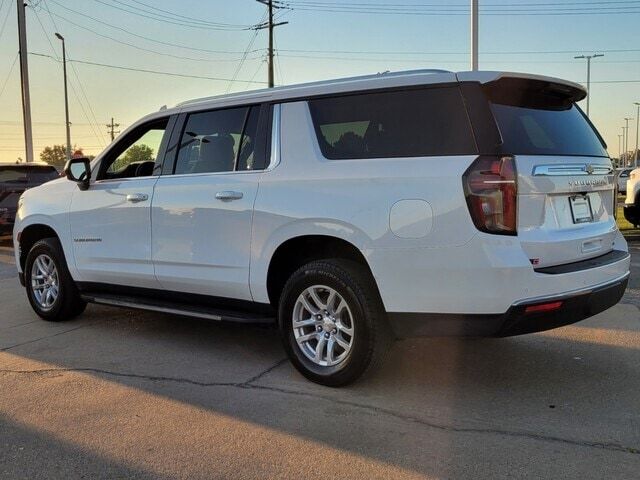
pixel 31 234
pixel 294 252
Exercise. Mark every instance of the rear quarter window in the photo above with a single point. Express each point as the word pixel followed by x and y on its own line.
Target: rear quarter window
pixel 408 123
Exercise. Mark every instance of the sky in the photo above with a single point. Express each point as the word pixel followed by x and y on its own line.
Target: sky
pixel 208 47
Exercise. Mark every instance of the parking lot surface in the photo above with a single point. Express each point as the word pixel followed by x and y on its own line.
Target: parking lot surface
pixel 129 394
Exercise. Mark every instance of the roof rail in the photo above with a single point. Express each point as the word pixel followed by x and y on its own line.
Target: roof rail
pixel 316 83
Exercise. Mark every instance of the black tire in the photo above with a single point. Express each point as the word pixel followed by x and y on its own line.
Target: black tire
pixel 372 333
pixel 68 304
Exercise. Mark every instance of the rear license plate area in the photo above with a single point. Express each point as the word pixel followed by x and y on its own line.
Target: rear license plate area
pixel 581 209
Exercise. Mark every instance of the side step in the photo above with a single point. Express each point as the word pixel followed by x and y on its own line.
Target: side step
pixel 198 311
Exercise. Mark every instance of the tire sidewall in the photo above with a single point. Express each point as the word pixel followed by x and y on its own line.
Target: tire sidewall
pixel 359 356
pixel 47 247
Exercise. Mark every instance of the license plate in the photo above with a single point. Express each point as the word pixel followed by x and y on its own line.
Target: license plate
pixel 581 209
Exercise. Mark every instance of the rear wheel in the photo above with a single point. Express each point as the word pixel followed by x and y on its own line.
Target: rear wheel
pixel 52 292
pixel 332 322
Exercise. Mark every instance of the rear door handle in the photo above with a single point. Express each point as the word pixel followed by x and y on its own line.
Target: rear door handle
pixel 229 195
pixel 137 197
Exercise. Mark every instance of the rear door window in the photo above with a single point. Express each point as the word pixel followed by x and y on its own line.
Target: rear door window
pixel 408 123
pixel 220 141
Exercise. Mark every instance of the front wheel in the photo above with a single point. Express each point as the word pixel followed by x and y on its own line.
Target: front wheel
pixel 332 322
pixel 52 292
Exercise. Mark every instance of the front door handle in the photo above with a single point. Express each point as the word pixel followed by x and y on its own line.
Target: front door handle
pixel 229 195
pixel 137 197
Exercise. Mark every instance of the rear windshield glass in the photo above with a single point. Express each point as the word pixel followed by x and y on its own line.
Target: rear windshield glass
pixel 412 123
pixel 13 175
pixel 42 175
pixel 539 131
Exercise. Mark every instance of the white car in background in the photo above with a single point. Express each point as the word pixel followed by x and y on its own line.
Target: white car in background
pixel 347 212
pixel 622 175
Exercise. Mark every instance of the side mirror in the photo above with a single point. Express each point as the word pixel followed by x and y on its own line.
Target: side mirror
pixel 79 170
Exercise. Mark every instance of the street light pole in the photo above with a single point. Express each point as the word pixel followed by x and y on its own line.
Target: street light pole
pixel 620 150
pixel 588 58
pixel 474 35
pixel 626 138
pixel 635 159
pixel 66 97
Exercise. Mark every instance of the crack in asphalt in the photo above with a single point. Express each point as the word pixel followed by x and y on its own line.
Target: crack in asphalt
pixel 249 384
pixel 46 337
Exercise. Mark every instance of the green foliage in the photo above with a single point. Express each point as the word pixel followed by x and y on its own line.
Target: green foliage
pixel 56 156
pixel 135 153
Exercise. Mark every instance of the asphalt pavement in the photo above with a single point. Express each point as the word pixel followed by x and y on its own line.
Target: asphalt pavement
pixel 129 394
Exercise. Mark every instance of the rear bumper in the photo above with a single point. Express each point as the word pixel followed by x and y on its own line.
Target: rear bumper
pixel 516 320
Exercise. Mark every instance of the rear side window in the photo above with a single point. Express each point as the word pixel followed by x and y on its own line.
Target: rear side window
pixel 410 123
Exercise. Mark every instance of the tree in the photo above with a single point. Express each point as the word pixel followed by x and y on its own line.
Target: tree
pixel 56 155
pixel 135 153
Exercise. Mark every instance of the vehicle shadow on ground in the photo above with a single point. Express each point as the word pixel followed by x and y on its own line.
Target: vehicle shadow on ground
pixel 551 388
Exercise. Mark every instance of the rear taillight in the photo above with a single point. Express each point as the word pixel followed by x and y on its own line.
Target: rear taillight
pixel 490 185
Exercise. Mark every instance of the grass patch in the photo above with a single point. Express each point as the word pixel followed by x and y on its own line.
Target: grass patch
pixel 625 227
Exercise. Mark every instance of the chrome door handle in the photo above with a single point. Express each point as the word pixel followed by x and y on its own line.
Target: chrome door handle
pixel 229 195
pixel 137 197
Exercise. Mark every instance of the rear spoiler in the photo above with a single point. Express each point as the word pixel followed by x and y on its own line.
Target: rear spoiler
pixel 526 89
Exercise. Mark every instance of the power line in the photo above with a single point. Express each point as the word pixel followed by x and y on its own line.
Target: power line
pixel 174 15
pixel 4 22
pixel 75 93
pixel 6 80
pixel 161 18
pixel 244 56
pixel 149 39
pixel 122 42
pixel 142 70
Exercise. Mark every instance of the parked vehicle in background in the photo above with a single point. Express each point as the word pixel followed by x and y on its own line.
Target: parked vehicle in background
pixel 631 207
pixel 622 175
pixel 348 212
pixel 15 178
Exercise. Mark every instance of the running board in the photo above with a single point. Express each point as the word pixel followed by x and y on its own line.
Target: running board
pixel 197 311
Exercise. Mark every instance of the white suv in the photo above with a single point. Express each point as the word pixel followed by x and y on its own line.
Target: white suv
pixel 348 212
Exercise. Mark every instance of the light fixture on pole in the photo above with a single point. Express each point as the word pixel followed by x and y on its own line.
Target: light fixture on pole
pixel 588 58
pixel 66 97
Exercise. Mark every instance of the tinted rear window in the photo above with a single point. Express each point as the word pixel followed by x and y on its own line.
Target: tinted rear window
pixel 29 174
pixel 538 131
pixel 42 174
pixel 13 175
pixel 413 123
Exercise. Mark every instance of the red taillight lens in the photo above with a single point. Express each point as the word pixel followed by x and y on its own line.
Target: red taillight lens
pixel 490 185
pixel 543 307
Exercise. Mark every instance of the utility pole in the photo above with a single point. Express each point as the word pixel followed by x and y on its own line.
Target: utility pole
pixel 589 57
pixel 270 25
pixel 66 96
pixel 24 80
pixel 474 35
pixel 112 126
pixel 635 156
pixel 626 138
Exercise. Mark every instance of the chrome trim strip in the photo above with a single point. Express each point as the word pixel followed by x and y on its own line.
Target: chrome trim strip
pixel 274 160
pixel 573 293
pixel 571 169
